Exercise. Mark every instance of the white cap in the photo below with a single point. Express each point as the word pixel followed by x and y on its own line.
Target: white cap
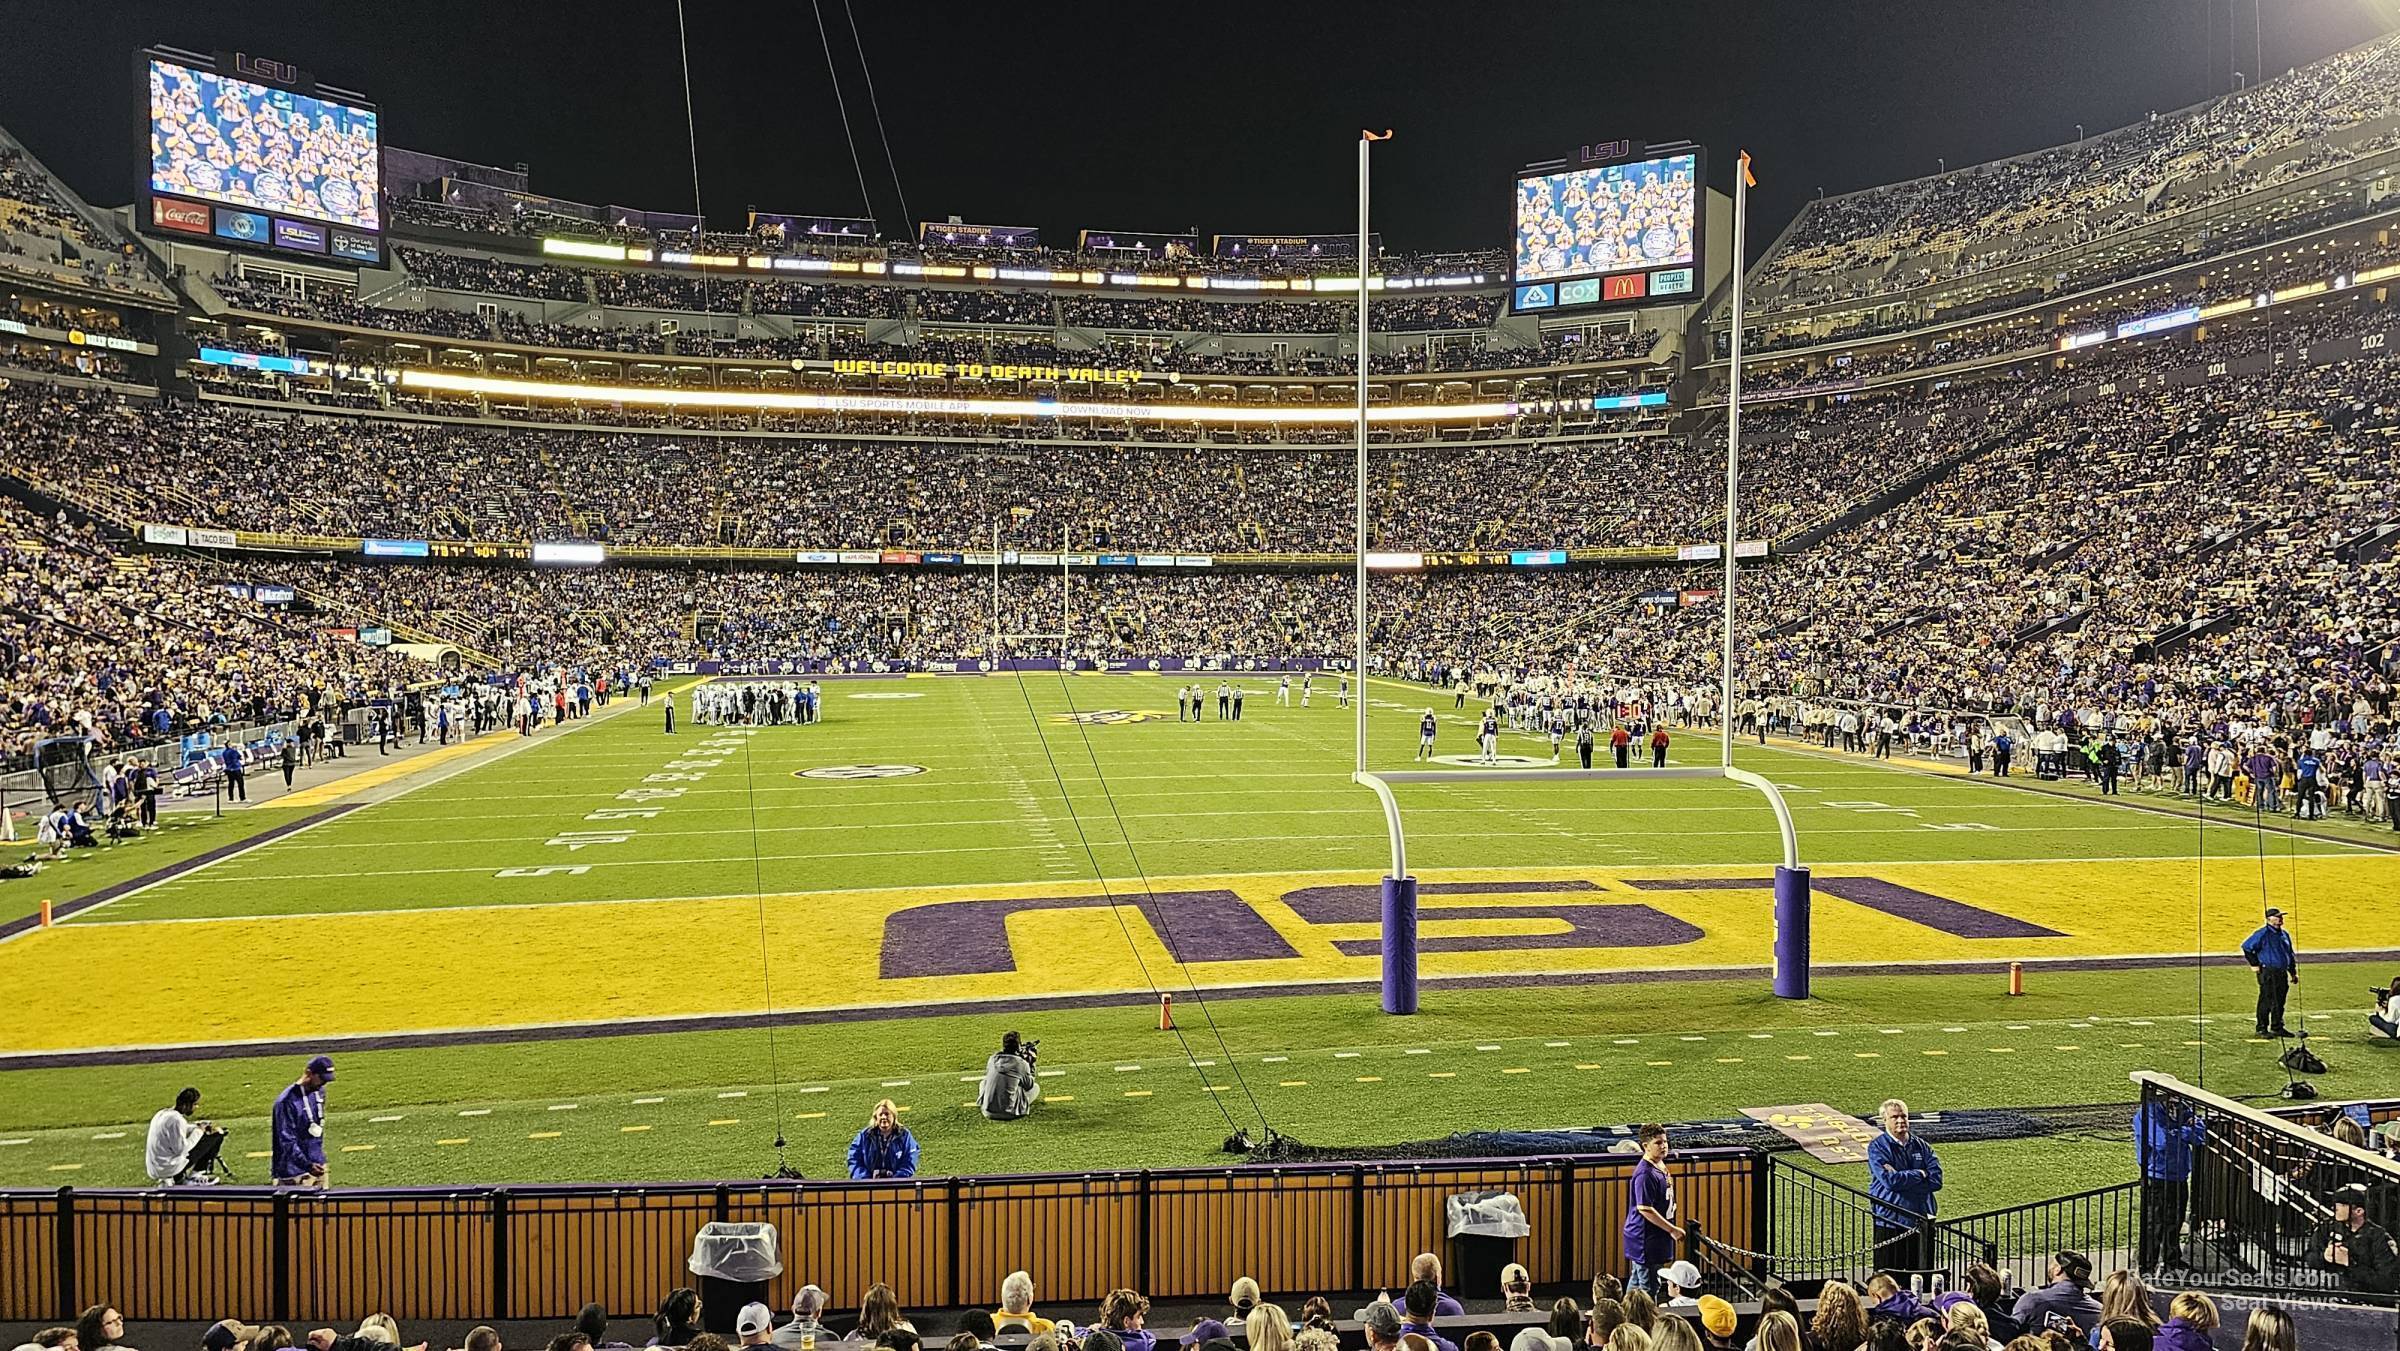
pixel 1683 1274
pixel 754 1320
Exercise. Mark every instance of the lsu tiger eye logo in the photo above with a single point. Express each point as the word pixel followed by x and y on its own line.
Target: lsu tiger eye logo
pixel 1112 717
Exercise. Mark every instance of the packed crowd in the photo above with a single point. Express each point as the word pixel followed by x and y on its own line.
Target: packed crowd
pixel 2208 590
pixel 202 464
pixel 2070 1312
pixel 704 293
pixel 52 231
pixel 1990 215
pixel 132 649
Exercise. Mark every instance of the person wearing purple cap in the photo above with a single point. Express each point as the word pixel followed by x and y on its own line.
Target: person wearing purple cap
pixel 1206 1330
pixel 299 1127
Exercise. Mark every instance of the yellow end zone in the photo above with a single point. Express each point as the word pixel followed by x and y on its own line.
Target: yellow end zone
pixel 158 983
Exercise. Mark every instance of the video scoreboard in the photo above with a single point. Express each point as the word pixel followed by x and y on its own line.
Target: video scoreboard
pixel 1611 234
pixel 250 153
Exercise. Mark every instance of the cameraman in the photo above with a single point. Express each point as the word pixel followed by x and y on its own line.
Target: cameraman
pixel 1009 1087
pixel 2386 1017
pixel 181 1151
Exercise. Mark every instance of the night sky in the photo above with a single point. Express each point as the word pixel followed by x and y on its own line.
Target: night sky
pixel 1229 118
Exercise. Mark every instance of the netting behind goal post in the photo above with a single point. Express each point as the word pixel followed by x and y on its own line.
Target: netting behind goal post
pixel 65 763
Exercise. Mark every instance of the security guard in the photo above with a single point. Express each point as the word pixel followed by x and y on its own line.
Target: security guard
pixel 2359 1248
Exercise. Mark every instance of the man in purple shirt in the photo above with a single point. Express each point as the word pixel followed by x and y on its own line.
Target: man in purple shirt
pixel 1651 1232
pixel 2261 768
pixel 298 1126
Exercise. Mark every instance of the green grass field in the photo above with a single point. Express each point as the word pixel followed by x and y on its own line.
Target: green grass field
pixel 632 906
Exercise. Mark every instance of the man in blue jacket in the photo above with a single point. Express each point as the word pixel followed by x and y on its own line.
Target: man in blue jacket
pixel 2165 1131
pixel 884 1148
pixel 2270 954
pixel 1903 1176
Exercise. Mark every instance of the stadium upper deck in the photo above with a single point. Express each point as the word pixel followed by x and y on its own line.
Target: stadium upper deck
pixel 2314 146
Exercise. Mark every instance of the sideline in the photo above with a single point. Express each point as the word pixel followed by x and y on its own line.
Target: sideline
pixel 1943 769
pixel 364 781
pixel 1013 1004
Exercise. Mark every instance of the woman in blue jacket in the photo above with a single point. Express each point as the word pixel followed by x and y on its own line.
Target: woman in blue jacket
pixel 884 1148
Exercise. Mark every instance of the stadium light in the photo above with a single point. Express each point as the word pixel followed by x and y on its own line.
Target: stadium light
pixel 648 396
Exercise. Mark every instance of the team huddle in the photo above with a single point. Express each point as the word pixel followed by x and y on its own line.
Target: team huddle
pixel 757 703
pixel 1605 220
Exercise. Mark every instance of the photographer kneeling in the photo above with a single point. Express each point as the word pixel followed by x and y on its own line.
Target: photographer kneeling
pixel 2386 1017
pixel 1009 1086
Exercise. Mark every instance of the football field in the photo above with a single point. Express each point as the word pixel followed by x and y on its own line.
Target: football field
pixel 609 952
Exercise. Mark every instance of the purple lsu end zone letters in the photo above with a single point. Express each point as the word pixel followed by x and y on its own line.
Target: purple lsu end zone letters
pixel 969 938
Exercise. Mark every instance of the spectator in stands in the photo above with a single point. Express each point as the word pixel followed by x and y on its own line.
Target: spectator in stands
pixel 755 1325
pixel 1015 1313
pixel 1419 1302
pixel 569 1340
pixel 2191 1323
pixel 1840 1322
pixel 1674 1333
pixel 2068 1293
pixel 1267 1328
pixel 678 1318
pixel 884 1147
pixel 1428 1268
pixel 1480 1341
pixel 1565 1319
pixel 1381 1324
pixel 879 1313
pixel 99 1328
pixel 1320 1339
pixel 2123 1295
pixel 1606 1317
pixel 1716 1323
pixel 1641 1308
pixel 1122 1312
pixel 1317 1312
pixel 1990 1290
pixel 1516 1289
pixel 2124 1334
pixel 55 1339
pixel 1205 1331
pixel 1681 1279
pixel 807 1327
pixel 1536 1339
pixel 1628 1337
pixel 1905 1176
pixel 1778 1330
pixel 1244 1296
pixel 1650 1230
pixel 592 1322
pixel 483 1338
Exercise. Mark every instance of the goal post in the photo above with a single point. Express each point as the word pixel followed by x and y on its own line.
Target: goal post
pixel 1399 911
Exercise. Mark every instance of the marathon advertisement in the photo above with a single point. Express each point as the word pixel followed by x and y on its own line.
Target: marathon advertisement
pixel 953 235
pixel 1139 243
pixel 1292 246
pixel 790 230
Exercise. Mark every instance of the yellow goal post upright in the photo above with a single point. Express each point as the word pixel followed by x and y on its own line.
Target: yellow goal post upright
pixel 1399 908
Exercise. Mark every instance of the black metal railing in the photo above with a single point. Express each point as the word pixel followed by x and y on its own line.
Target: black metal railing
pixel 2101 1223
pixel 542 1251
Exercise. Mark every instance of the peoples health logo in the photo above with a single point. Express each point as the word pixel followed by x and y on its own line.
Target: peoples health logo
pixel 858 772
